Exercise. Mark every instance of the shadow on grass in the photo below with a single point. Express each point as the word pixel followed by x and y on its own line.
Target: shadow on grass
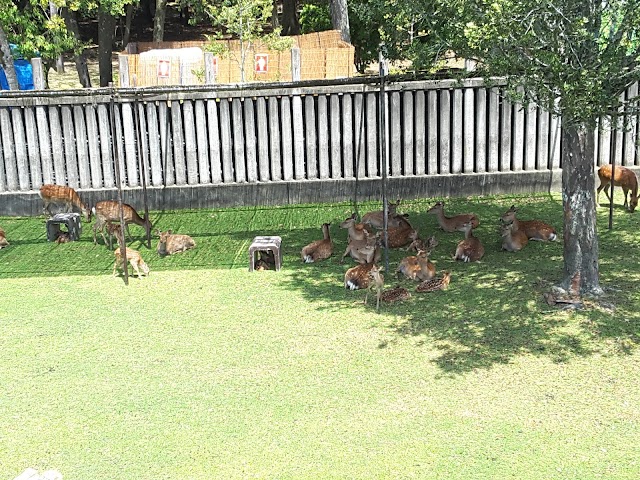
pixel 492 312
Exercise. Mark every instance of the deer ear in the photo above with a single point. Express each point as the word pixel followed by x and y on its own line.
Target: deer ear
pixel 169 232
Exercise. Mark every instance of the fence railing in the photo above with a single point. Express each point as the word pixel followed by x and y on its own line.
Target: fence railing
pixel 274 133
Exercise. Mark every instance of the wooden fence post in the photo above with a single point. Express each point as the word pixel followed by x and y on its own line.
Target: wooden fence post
pixel 295 64
pixel 210 68
pixel 38 73
pixel 123 70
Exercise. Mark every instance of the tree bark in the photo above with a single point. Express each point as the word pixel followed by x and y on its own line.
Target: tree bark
pixel 158 20
pixel 340 18
pixel 6 60
pixel 106 33
pixel 290 20
pixel 581 271
pixel 71 21
pixel 127 25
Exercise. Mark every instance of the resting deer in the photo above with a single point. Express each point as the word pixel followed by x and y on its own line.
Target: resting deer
pixel 171 243
pixel 418 243
pixel 364 251
pixel 356 231
pixel 624 178
pixel 376 219
pixel 451 224
pixel 3 239
pixel 512 240
pixel 533 229
pixel 401 235
pixel 470 249
pixel 134 258
pixel 109 211
pixel 320 249
pixel 62 195
pixel 417 267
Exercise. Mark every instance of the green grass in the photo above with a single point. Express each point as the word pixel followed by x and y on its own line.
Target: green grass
pixel 204 370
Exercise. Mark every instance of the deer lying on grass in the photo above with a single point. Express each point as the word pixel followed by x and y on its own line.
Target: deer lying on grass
pixel 401 235
pixel 356 231
pixel 376 219
pixel 624 178
pixel 62 195
pixel 418 243
pixel 417 267
pixel 451 224
pixel 109 211
pixel 533 229
pixel 512 240
pixel 171 243
pixel 366 250
pixel 3 239
pixel 320 249
pixel 135 260
pixel 470 249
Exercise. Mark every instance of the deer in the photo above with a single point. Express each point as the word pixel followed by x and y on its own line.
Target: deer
pixel 470 249
pixel 624 178
pixel 3 239
pixel 418 243
pixel 356 231
pixel 401 235
pixel 319 249
pixel 451 224
pixel 135 260
pixel 358 277
pixel 533 229
pixel 63 195
pixel 109 211
pixel 364 251
pixel 417 267
pixel 512 240
pixel 378 283
pixel 171 243
pixel 376 219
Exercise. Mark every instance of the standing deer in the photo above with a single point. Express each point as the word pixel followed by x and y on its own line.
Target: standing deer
pixel 62 195
pixel 624 178
pixel 451 224
pixel 533 229
pixel 109 211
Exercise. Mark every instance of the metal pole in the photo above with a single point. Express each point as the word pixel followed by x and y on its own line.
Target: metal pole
pixel 382 114
pixel 116 157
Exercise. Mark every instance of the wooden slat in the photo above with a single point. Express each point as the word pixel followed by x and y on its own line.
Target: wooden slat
pixel 179 158
pixel 518 140
pixel 394 119
pixel 82 148
pixel 155 144
pixel 190 144
pixel 420 114
pixel 57 147
pixel 347 137
pixel 106 150
pixel 287 138
pixel 542 159
pixel 311 137
pixel 274 139
pixel 493 134
pixel 505 133
pixel 22 157
pixel 203 142
pixel 262 123
pixel 433 157
pixel 119 142
pixel 9 150
pixel 215 156
pixel 457 133
pixel 359 124
pixel 166 144
pixel 408 166
pixel 129 142
pixel 481 131
pixel 44 145
pixel 554 138
pixel 239 154
pixel 630 139
pixel 530 153
pixel 372 139
pixel 93 145
pixel 3 176
pixel 143 148
pixel 31 129
pixel 225 142
pixel 298 138
pixel 445 131
pixel 335 133
pixel 250 140
pixel 323 137
pixel 470 130
pixel 70 152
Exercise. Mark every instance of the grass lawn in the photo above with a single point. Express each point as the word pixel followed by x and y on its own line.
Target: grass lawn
pixel 204 370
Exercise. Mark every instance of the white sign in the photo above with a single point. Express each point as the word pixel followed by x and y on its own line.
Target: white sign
pixel 262 62
pixel 164 68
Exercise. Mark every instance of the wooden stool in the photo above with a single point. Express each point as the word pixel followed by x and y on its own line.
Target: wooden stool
pixel 267 244
pixel 71 220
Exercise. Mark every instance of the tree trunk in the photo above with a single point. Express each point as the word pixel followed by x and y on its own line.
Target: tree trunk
pixel 6 60
pixel 290 21
pixel 581 272
pixel 106 33
pixel 340 18
pixel 71 21
pixel 275 22
pixel 158 20
pixel 127 25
